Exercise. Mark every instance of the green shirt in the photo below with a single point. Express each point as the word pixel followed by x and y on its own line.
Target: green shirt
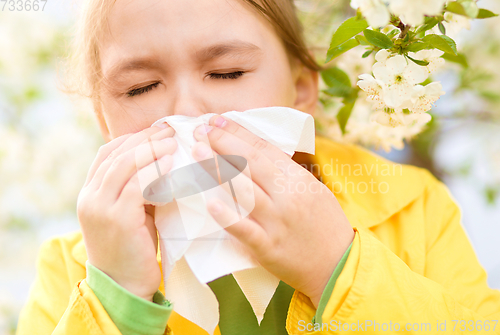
pixel 133 315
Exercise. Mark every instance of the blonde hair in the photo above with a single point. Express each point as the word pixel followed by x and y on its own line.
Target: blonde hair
pixel 84 76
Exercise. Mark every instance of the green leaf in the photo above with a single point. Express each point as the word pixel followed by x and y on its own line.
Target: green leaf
pixel 335 52
pixel 491 195
pixel 464 7
pixel 451 43
pixel 366 54
pixel 417 46
pixel 344 114
pixel 456 8
pixel 334 76
pixel 419 62
pixel 362 40
pixel 378 39
pixel 470 8
pixel 485 14
pixel 443 43
pixel 430 22
pixel 393 33
pixel 350 28
pixel 338 82
pixel 490 95
pixel 359 15
pixel 459 59
pixel 442 28
pixel 32 93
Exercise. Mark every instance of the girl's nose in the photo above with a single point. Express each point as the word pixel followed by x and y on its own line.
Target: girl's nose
pixel 187 101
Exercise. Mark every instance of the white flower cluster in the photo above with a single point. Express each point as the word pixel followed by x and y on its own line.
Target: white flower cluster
pixel 453 24
pixel 360 129
pixel 412 12
pixel 395 90
pixel 370 123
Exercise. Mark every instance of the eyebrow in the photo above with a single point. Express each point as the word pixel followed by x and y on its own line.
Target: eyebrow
pixel 132 64
pixel 234 48
pixel 231 48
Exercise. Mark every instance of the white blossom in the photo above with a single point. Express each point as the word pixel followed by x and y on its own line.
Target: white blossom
pixel 400 119
pixel 375 11
pixel 399 76
pixel 363 128
pixel 424 97
pixel 454 23
pixel 413 11
pixel 398 101
pixel 416 121
pixel 433 57
pixel 354 64
pixel 387 138
pixel 382 56
pixel 374 89
pixel 390 119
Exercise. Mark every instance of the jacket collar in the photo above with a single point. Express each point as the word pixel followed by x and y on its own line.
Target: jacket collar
pixel 369 188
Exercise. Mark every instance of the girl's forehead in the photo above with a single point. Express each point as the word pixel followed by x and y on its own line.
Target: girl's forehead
pixel 183 33
pixel 185 24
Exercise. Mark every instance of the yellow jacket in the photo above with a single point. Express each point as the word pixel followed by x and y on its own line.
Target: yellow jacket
pixel 411 264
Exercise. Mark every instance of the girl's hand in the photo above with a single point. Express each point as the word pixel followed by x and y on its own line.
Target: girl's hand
pixel 297 230
pixel 118 228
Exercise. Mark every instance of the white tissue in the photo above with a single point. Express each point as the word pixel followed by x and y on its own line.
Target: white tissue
pixel 194 248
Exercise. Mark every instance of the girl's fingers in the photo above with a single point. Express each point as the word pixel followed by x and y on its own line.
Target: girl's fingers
pixel 247 231
pixel 167 132
pixel 131 193
pixel 264 171
pixel 272 152
pixel 150 224
pixel 102 154
pixel 248 194
pixel 134 160
pixel 201 151
pixel 132 141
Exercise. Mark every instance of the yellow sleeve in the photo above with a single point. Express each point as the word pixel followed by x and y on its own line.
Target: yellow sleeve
pixel 60 301
pixel 377 292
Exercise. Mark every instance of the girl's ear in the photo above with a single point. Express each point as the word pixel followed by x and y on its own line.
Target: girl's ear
pixel 306 87
pixel 102 122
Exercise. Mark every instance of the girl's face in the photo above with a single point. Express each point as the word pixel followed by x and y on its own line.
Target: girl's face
pixel 192 57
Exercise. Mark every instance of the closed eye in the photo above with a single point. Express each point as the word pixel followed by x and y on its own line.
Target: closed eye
pixel 145 89
pixel 142 90
pixel 231 75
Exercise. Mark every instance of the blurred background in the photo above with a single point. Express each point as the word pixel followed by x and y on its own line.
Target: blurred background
pixel 48 140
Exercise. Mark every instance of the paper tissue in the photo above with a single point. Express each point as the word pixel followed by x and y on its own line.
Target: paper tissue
pixel 194 248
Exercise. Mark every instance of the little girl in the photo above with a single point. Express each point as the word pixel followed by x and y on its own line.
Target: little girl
pixel 386 253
